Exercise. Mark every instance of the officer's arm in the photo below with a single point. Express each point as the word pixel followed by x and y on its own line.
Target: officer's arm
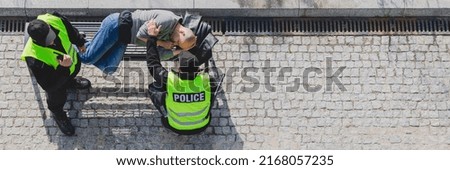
pixel 158 72
pixel 213 82
pixel 74 35
pixel 47 77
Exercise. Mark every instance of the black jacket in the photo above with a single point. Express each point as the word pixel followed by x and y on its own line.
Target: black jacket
pixel 47 77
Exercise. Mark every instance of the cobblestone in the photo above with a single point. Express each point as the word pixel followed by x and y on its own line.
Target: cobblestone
pixel 396 98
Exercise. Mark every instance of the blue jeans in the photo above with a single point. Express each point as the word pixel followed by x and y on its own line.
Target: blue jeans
pixel 105 51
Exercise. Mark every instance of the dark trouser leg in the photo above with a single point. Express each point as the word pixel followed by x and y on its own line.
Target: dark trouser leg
pixel 56 100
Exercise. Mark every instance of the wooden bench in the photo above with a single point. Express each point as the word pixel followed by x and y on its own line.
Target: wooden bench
pixel 132 52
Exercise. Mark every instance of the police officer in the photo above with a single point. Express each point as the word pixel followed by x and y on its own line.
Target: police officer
pixel 54 62
pixel 184 96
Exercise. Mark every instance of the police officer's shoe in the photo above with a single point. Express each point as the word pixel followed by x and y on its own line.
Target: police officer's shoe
pixel 64 123
pixel 81 83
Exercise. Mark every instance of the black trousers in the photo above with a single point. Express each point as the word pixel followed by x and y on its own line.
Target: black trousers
pixel 57 98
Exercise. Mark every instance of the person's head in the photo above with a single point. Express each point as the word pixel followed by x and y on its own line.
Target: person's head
pixel 184 37
pixel 188 63
pixel 41 33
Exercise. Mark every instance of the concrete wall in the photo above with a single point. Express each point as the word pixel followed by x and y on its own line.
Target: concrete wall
pixel 235 7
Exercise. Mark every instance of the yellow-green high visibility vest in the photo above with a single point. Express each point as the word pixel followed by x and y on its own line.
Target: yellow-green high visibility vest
pixel 188 102
pixel 48 55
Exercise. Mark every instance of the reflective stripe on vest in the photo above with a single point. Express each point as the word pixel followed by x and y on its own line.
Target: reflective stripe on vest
pixel 189 113
pixel 48 55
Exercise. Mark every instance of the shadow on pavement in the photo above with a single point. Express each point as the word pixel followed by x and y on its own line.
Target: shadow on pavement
pixel 136 125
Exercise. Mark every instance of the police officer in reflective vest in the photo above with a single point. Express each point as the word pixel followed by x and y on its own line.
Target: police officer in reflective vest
pixel 54 62
pixel 184 96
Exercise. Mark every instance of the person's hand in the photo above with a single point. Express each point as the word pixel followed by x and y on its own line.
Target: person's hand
pixel 82 49
pixel 66 61
pixel 152 29
pixel 165 44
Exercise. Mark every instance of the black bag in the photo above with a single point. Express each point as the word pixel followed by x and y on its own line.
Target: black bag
pixel 205 40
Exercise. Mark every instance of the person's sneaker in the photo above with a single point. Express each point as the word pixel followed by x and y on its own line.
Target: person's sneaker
pixel 64 123
pixel 81 83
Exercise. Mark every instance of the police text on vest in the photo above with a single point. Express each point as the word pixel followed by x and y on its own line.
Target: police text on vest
pixel 189 97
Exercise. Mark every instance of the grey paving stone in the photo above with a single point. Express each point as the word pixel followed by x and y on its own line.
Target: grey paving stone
pixel 393 83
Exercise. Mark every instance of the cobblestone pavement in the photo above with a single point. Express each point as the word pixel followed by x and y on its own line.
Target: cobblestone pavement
pixel 395 95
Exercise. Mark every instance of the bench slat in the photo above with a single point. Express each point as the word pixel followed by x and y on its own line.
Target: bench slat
pixel 90 28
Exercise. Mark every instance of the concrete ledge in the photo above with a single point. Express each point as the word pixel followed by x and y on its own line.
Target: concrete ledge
pixel 12 8
pixel 269 8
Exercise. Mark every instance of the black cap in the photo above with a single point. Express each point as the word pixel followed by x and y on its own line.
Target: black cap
pixel 188 62
pixel 40 32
